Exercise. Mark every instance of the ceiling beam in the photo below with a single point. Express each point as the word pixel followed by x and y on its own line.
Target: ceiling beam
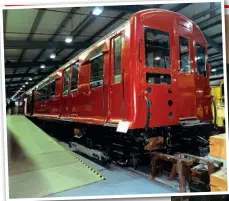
pixel 98 33
pixel 217 66
pixel 209 11
pixel 22 82
pixel 7 76
pixel 210 22
pixel 32 64
pixel 216 54
pixel 180 7
pixel 211 42
pixel 132 8
pixel 19 44
pixel 33 29
pixel 216 60
pixel 58 30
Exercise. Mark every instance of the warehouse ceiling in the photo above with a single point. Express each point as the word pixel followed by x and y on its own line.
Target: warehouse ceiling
pixel 32 35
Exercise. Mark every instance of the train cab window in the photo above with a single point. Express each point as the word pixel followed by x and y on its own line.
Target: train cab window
pixel 184 55
pixel 66 81
pixel 96 77
pixel 157 48
pixel 200 60
pixel 74 80
pixel 117 59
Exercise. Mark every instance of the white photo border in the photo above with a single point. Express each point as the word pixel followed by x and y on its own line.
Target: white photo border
pixel 86 4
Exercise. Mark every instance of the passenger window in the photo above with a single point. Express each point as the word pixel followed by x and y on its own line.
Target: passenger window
pixel 117 59
pixel 52 89
pixel 184 55
pixel 200 60
pixel 66 81
pixel 43 93
pixel 74 81
pixel 96 78
pixel 157 48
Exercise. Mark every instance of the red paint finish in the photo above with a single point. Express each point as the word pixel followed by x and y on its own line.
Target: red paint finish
pixel 126 98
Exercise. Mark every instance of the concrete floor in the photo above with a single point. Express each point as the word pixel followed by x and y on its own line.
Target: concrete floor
pixel 118 181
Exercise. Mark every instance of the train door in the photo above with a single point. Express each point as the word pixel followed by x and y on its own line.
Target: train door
pixel 74 95
pixel 202 83
pixel 25 105
pixel 95 97
pixel 185 76
pixel 32 103
pixel 116 89
pixel 65 94
pixel 158 68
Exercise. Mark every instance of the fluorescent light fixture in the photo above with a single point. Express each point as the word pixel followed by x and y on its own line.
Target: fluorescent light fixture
pixel 97 11
pixel 42 66
pixel 68 39
pixel 23 86
pixel 53 56
pixel 214 70
pixel 30 79
pixel 26 83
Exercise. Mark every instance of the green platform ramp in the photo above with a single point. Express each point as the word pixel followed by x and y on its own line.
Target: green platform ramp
pixel 40 166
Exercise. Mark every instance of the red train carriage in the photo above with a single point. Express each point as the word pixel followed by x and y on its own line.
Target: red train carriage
pixel 149 78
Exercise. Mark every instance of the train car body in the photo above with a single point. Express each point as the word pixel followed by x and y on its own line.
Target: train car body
pixel 149 78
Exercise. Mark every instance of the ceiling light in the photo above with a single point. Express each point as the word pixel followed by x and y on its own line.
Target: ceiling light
pixel 23 86
pixel 68 39
pixel 30 79
pixel 214 70
pixel 157 58
pixel 52 56
pixel 20 88
pixel 26 83
pixel 97 10
pixel 42 66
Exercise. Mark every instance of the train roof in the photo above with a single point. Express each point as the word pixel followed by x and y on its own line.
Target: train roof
pixel 84 53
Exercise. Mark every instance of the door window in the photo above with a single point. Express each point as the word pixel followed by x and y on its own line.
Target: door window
pixel 96 78
pixel 200 60
pixel 184 55
pixel 66 81
pixel 157 48
pixel 117 59
pixel 74 81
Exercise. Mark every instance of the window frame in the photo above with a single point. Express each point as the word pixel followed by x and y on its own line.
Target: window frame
pixel 77 83
pixel 205 60
pixel 63 91
pixel 91 61
pixel 120 35
pixel 189 48
pixel 169 46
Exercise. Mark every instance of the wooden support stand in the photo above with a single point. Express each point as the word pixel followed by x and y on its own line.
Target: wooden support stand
pixel 182 166
pixel 218 146
pixel 218 180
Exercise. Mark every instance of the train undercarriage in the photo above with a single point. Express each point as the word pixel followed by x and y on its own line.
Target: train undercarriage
pixel 127 149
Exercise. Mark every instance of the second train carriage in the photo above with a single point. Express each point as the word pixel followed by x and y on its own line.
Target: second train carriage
pixel 150 76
